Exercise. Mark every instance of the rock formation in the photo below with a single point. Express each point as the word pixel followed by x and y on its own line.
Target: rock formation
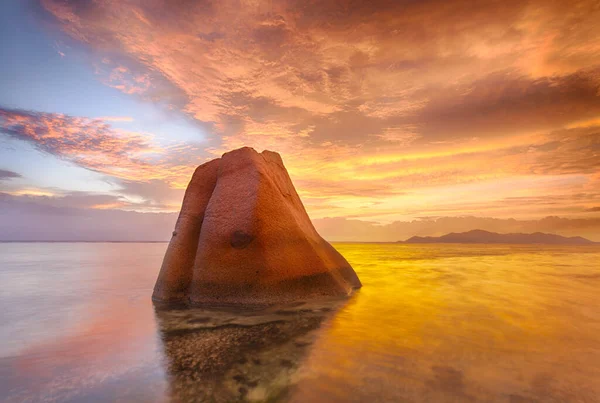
pixel 244 237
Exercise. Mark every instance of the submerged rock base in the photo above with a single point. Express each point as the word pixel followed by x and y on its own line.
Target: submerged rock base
pixel 226 356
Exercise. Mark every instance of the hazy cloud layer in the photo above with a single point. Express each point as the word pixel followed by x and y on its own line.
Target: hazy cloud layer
pixel 74 217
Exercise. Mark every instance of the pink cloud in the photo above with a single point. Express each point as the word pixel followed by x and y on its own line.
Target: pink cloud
pixel 94 144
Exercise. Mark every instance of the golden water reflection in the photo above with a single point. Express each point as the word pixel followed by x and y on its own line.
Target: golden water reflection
pixel 462 323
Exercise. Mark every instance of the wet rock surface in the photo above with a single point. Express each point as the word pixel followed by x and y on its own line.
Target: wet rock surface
pixel 244 238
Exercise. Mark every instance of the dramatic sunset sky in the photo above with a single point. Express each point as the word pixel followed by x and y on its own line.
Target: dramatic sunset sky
pixel 394 118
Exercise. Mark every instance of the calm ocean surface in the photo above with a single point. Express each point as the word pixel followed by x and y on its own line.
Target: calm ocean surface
pixel 433 323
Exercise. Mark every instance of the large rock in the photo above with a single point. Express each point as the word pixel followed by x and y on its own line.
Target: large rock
pixel 244 237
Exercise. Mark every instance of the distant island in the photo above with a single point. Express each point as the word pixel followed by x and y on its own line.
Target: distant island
pixel 481 236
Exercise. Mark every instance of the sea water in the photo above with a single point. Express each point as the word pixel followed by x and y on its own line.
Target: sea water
pixel 443 323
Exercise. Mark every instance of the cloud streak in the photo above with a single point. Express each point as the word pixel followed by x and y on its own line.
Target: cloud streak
pixel 5 175
pixel 96 145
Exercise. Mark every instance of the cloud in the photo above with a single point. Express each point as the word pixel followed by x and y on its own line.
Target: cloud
pixel 504 103
pixel 94 144
pixel 353 72
pixel 568 151
pixel 130 77
pixel 66 200
pixel 88 142
pixel 326 57
pixel 78 217
pixel 6 175
pixel 121 79
pixel 116 118
pixel 153 196
pixel 155 193
pixel 383 111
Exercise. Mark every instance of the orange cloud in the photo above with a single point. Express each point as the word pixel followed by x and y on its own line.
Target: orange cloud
pixel 381 110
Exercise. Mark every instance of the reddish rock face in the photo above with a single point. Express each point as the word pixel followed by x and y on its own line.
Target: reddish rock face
pixel 243 237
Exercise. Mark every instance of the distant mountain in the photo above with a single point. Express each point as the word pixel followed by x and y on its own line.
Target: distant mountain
pixel 481 236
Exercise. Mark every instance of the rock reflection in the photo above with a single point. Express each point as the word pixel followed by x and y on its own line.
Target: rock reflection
pixel 223 355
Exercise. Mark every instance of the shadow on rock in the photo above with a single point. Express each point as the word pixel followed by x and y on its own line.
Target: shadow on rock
pixel 222 355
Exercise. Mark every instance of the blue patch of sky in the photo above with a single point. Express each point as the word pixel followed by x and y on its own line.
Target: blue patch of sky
pixel 35 76
pixel 44 171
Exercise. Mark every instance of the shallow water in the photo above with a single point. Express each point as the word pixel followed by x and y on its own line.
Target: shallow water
pixel 432 323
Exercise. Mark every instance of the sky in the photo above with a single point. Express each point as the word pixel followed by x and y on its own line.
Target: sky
pixel 393 118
